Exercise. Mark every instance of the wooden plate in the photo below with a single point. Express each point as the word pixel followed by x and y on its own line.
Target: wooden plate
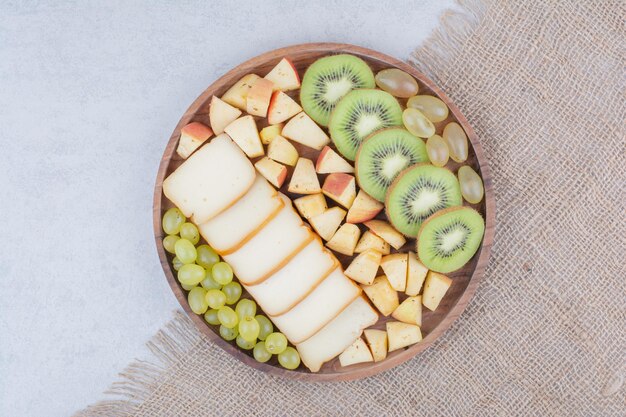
pixel 465 280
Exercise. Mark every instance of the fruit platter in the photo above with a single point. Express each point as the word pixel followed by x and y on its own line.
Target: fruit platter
pixel 323 212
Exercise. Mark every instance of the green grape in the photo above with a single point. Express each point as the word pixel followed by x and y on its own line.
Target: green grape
pixel 228 334
pixel 176 263
pixel 275 343
pixel 222 273
pixel 187 287
pixel 185 251
pixel 244 344
pixel 207 257
pixel 197 301
pixel 260 353
pixel 169 241
pixel 232 291
pixel 172 220
pixel 209 283
pixel 265 325
pixel 215 298
pixel 189 231
pixel 245 308
pixel 289 358
pixel 249 328
pixel 191 274
pixel 227 317
pixel 211 317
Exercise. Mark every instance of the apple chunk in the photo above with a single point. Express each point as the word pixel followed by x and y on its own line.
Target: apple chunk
pixel 259 97
pixel 284 76
pixel 377 342
pixel 302 129
pixel 327 223
pixel 409 311
pixel 344 240
pixel 370 241
pixel 274 172
pixel 435 287
pixel 357 352
pixel 364 267
pixel 281 108
pixel 221 114
pixel 329 161
pixel 384 230
pixel 340 188
pixel 311 205
pixel 191 137
pixel 384 298
pixel 416 274
pixel 395 267
pixel 268 133
pixel 237 94
pixel 402 334
pixel 281 150
pixel 363 208
pixel 304 179
pixel 245 134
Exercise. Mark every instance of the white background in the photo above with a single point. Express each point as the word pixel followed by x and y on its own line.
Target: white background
pixel 89 94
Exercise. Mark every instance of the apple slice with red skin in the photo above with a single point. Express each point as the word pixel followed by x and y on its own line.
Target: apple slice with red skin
pixel 281 108
pixel 284 76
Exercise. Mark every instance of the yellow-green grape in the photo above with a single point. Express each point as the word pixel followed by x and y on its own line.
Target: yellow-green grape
pixel 191 274
pixel 187 287
pixel 265 325
pixel 197 301
pixel 275 343
pixel 211 317
pixel 456 139
pixel 434 109
pixel 289 358
pixel 396 82
pixel 249 328
pixel 209 283
pixel 169 241
pixel 227 317
pixel 416 123
pixel 260 353
pixel 189 231
pixel 185 251
pixel 471 184
pixel 245 344
pixel 437 150
pixel 245 308
pixel 215 298
pixel 207 257
pixel 232 291
pixel 176 263
pixel 172 220
pixel 228 334
pixel 222 273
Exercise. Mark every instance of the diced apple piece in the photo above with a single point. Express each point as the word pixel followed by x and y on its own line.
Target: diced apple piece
pixel 327 223
pixel 402 334
pixel 259 97
pixel 409 311
pixel 435 287
pixel 416 274
pixel 384 298
pixel 268 133
pixel 221 114
pixel 274 172
pixel 340 188
pixel 281 150
pixel 344 240
pixel 302 129
pixel 384 230
pixel 304 179
pixel 245 134
pixel 370 241
pixel 284 76
pixel 191 137
pixel 281 108
pixel 311 205
pixel 357 352
pixel 363 208
pixel 329 161
pixel 377 342
pixel 364 267
pixel 395 267
pixel 238 93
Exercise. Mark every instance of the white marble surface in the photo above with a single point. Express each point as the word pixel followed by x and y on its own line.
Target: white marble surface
pixel 89 93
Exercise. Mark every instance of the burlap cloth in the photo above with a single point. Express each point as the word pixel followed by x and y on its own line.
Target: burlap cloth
pixel 543 84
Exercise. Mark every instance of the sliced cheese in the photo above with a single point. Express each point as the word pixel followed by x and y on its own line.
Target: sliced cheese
pixel 318 308
pixel 337 335
pixel 210 180
pixel 293 282
pixel 232 228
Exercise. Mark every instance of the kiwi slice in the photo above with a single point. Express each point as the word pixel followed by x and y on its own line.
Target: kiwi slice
pixel 448 239
pixel 382 156
pixel 417 193
pixel 360 113
pixel 330 78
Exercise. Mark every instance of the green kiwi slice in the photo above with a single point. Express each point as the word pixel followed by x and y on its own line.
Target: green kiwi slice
pixel 330 78
pixel 449 238
pixel 382 156
pixel 417 193
pixel 360 113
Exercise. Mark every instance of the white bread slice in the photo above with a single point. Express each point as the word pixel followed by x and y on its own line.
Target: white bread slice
pixel 293 282
pixel 210 180
pixel 271 247
pixel 230 229
pixel 323 304
pixel 337 335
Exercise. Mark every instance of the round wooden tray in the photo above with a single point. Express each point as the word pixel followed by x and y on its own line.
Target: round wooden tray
pixel 465 280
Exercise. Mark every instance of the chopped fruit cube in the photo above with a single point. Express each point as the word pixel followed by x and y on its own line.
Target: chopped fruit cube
pixel 363 208
pixel 344 240
pixel 259 97
pixel 395 267
pixel 245 134
pixel 327 223
pixel 416 274
pixel 304 179
pixel 402 334
pixel 238 93
pixel 410 311
pixel 191 137
pixel 340 188
pixel 387 232
pixel 311 205
pixel 384 298
pixel 435 287
pixel 302 129
pixel 268 133
pixel 281 108
pixel 358 352
pixel 370 241
pixel 284 76
pixel 221 114
pixel 281 150
pixel 377 342
pixel 364 267
pixel 329 161
pixel 274 172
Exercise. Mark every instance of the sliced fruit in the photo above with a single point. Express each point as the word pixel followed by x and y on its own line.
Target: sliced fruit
pixel 402 335
pixel 363 208
pixel 383 155
pixel 345 239
pixel 377 342
pixel 284 76
pixel 259 97
pixel 409 311
pixel 327 223
pixel 370 241
pixel 238 93
pixel 192 136
pixel 329 79
pixel 419 192
pixel 357 352
pixel 395 268
pixel 416 274
pixel 221 114
pixel 435 287
pixel 311 205
pixel 302 129
pixel 450 238
pixel 329 161
pixel 281 108
pixel 281 150
pixel 274 172
pixel 364 267
pixel 268 133
pixel 304 179
pixel 245 134
pixel 360 113
pixel 341 188
pixel 385 231
pixel 384 298
pixel 210 180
